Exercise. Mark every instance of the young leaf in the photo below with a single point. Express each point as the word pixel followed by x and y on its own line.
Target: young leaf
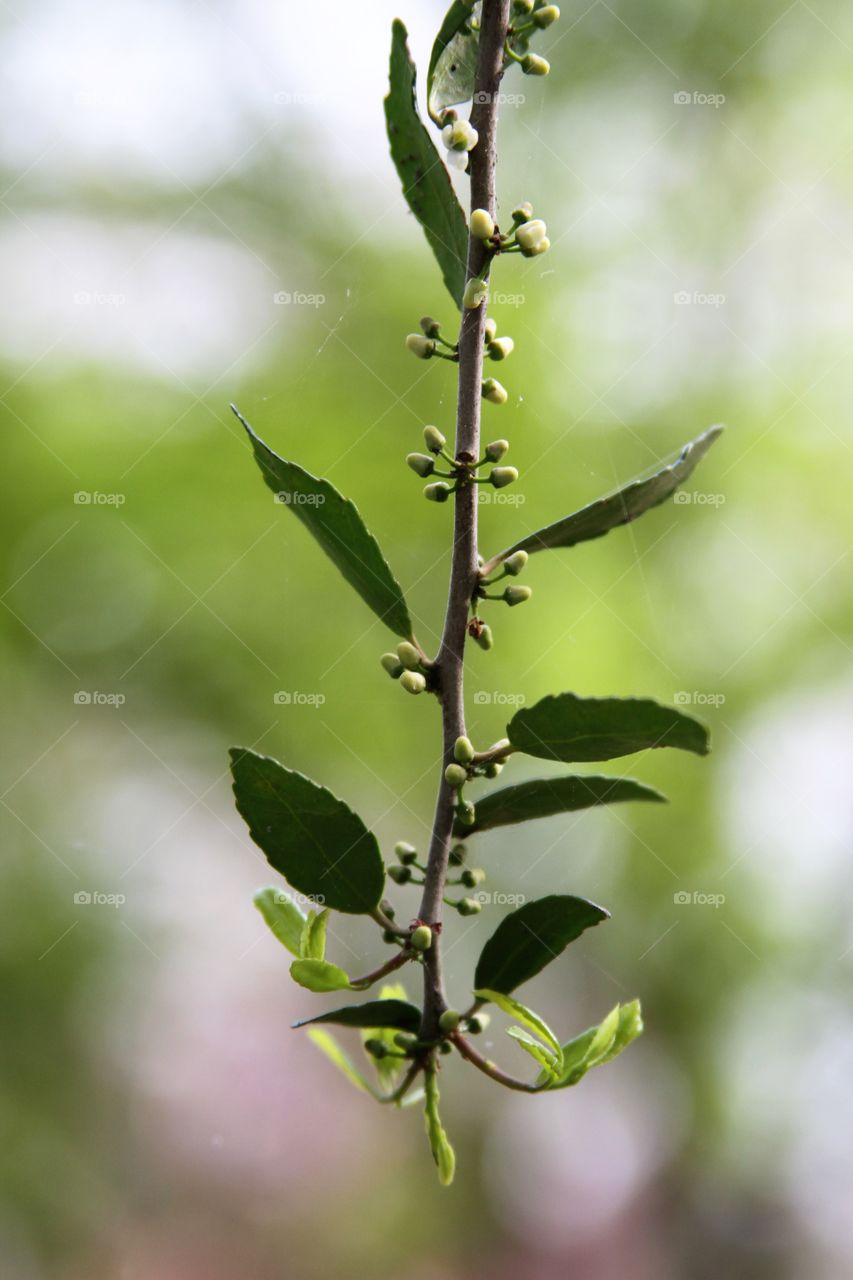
pixel 313 940
pixel 442 1152
pixel 426 183
pixel 336 524
pixel 566 727
pixel 598 1044
pixel 389 1068
pixel 617 509
pixel 543 797
pixel 453 61
pixel 531 937
pixel 311 837
pixel 283 917
pixel 319 975
pixel 549 1064
pixel 399 1014
pixel 328 1044
pixel 525 1016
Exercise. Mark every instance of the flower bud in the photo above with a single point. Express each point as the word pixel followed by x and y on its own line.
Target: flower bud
pixel 516 562
pixel 517 595
pixel 472 876
pixel 522 212
pixel 530 233
pixel 456 775
pixel 448 115
pixel 457 855
pixel 408 655
pixel 376 1048
pixel 421 463
pixel 430 327
pixel 434 440
pixel 421 939
pixel 500 348
pixel 546 15
pixel 533 65
pixel 485 639
pixel 388 909
pixel 494 768
pixel 445 1047
pixel 542 246
pixel 469 907
pixel 420 346
pixel 496 450
pixel 389 937
pixel 405 1040
pixel 407 853
pixel 477 1023
pixel 522 6
pixel 466 813
pixel 438 492
pixel 482 224
pixel 413 682
pixel 476 293
pixel 491 329
pixel 449 1021
pixel 500 477
pixel 459 135
pixel 392 665
pixel 492 390
pixel 463 750
pixel 400 875
pixel 457 160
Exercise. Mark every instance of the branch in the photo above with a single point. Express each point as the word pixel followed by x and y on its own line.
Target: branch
pixel 396 962
pixel 489 1069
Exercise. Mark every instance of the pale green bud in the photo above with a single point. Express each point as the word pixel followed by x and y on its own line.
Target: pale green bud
pixel 466 813
pixel 494 768
pixel 420 346
pixel 522 6
pixel 463 750
pixel 457 855
pixel 485 639
pixel 472 876
pixel 496 450
pixel 421 939
pixel 376 1048
pixel 491 329
pixel 455 775
pixel 545 16
pixel 493 391
pixel 400 875
pixel 434 440
pixel 529 234
pixel 469 907
pixel 476 293
pixel 449 1021
pixel 445 1047
pixel 500 348
pixel 522 212
pixel 459 135
pixel 500 477
pixel 392 665
pixel 405 1040
pixel 542 246
pixel 407 853
pixel 408 655
pixel 477 1023
pixel 517 595
pixel 430 327
pixel 516 562
pixel 413 682
pixel 533 65
pixel 438 492
pixel 421 463
pixel 482 224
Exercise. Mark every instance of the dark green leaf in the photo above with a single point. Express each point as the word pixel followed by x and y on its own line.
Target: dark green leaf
pixel 532 937
pixel 543 797
pixel 453 62
pixel 337 526
pixel 426 182
pixel 319 975
pixel 617 509
pixel 283 917
pixel 566 727
pixel 317 843
pixel 399 1014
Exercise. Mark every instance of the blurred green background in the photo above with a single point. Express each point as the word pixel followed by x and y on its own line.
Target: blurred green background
pixel 197 207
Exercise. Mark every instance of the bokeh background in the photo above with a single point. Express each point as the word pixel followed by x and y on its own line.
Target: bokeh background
pixel 197 207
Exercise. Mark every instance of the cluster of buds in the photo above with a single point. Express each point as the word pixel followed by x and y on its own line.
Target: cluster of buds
pixel 462 472
pixel 459 137
pixel 513 593
pixel 431 342
pixel 465 766
pixel 529 16
pixel 408 665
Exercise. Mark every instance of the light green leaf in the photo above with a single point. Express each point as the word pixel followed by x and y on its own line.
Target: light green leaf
pixel 543 797
pixel 617 509
pixel 597 1045
pixel 328 1044
pixel 339 529
pixel 442 1152
pixel 319 975
pixel 426 183
pixel 525 1016
pixel 283 917
pixel 453 62
pixel 550 1065
pixel 566 727
pixel 307 834
pixel 313 940
pixel 530 938
pixel 388 1069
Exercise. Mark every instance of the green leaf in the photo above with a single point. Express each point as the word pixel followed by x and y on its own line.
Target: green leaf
pixel 566 727
pixel 389 1068
pixel 549 1064
pixel 442 1152
pixel 313 940
pixel 453 62
pixel 597 1045
pixel 399 1014
pixel 426 182
pixel 543 797
pixel 328 1044
pixel 319 975
pixel 283 917
pixel 525 1016
pixel 307 834
pixel 531 937
pixel 336 524
pixel 617 509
